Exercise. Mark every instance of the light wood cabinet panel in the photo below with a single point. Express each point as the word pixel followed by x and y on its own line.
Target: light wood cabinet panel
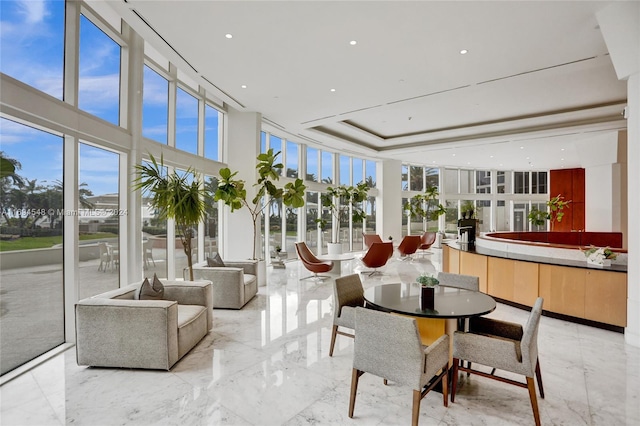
pixel 451 260
pixel 525 282
pixel 606 297
pixel 563 289
pixel 500 275
pixel 476 265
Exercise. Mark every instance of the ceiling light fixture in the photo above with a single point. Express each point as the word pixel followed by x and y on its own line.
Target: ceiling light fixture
pixel 333 90
pixel 522 147
pixel 244 86
pixel 562 149
pixel 353 42
pixel 464 51
pixel 228 36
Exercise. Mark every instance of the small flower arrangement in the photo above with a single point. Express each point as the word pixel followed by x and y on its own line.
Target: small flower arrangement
pixel 427 281
pixel 599 254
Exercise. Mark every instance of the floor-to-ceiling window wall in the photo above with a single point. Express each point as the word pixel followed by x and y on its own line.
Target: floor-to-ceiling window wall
pixel 31 247
pixel 498 199
pixel 78 151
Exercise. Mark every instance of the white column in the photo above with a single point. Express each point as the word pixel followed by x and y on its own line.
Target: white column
pixel 620 27
pixel 241 149
pixel 389 199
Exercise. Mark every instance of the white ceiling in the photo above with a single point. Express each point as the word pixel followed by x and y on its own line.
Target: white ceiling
pixel 536 82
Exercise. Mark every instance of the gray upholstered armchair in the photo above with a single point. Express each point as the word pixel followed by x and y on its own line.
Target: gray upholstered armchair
pixel 504 346
pixel 234 284
pixel 115 330
pixel 389 346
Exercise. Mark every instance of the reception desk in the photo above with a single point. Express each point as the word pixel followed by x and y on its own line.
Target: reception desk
pixel 571 290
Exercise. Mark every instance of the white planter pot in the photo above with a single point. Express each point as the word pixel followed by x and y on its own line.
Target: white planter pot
pixel 334 248
pixel 605 262
pixel 262 273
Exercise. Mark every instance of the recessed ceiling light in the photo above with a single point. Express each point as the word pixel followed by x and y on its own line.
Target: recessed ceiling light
pixel 454 155
pixel 562 159
pixel 491 156
pixel 434 161
pixel 244 86
pixel 528 158
pixel 353 42
pixel 522 147
pixel 333 90
pixel 562 149
pixel 228 36
pixel 468 163
pixel 464 51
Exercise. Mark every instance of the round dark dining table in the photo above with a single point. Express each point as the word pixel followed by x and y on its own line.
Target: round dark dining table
pixel 449 302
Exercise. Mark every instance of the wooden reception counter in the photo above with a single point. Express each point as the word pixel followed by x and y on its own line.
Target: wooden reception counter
pixel 571 290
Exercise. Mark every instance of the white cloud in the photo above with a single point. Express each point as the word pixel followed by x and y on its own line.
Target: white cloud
pixel 33 11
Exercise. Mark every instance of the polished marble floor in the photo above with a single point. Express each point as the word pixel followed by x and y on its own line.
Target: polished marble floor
pixel 268 364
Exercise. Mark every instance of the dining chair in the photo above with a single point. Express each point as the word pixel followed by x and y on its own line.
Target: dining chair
pixel 377 256
pixel 427 239
pixel 312 263
pixel 147 246
pixel 347 295
pixel 389 346
pixel 503 346
pixel 369 239
pixel 408 246
pixel 105 256
pixel 467 282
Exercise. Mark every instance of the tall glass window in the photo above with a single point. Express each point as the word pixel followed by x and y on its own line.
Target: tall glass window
pixel 327 167
pixel 211 218
pixel 483 182
pixel 32 214
pixel 275 143
pixel 432 177
pixel 503 219
pixel 186 122
pixel 404 177
pixel 155 106
pixel 371 173
pixel 313 171
pixel 451 181
pixel 154 238
pixel 466 182
pixel 451 217
pixel 32 40
pixel 98 220
pixel 416 178
pixel 357 171
pixel 312 231
pixel 483 214
pixel 521 183
pixel 212 120
pixel 99 76
pixel 292 159
pixel 263 142
pixel 345 170
pixel 503 182
pixel 539 182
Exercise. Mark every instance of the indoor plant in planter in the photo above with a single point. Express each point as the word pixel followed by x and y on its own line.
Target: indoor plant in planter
pixel 233 193
pixel 428 284
pixel 340 200
pixel 174 196
pixel 556 205
pixel 426 206
pixel 599 256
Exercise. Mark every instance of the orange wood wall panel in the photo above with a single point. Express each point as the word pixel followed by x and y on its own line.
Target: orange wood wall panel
pixel 606 297
pixel 570 183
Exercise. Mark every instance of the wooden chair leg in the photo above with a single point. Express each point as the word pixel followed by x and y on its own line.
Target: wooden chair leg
pixel 454 379
pixel 539 378
pixel 334 333
pixel 385 382
pixel 355 375
pixel 415 414
pixel 534 401
pixel 445 385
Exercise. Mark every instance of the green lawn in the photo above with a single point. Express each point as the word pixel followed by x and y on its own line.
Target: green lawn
pixel 28 243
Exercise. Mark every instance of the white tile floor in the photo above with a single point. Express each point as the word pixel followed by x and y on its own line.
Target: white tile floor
pixel 268 364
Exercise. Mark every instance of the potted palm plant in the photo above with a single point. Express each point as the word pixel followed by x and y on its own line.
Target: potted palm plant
pixel 174 196
pixel 232 191
pixel 426 206
pixel 339 200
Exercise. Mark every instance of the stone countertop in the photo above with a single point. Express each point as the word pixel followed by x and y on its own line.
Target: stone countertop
pixel 615 267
